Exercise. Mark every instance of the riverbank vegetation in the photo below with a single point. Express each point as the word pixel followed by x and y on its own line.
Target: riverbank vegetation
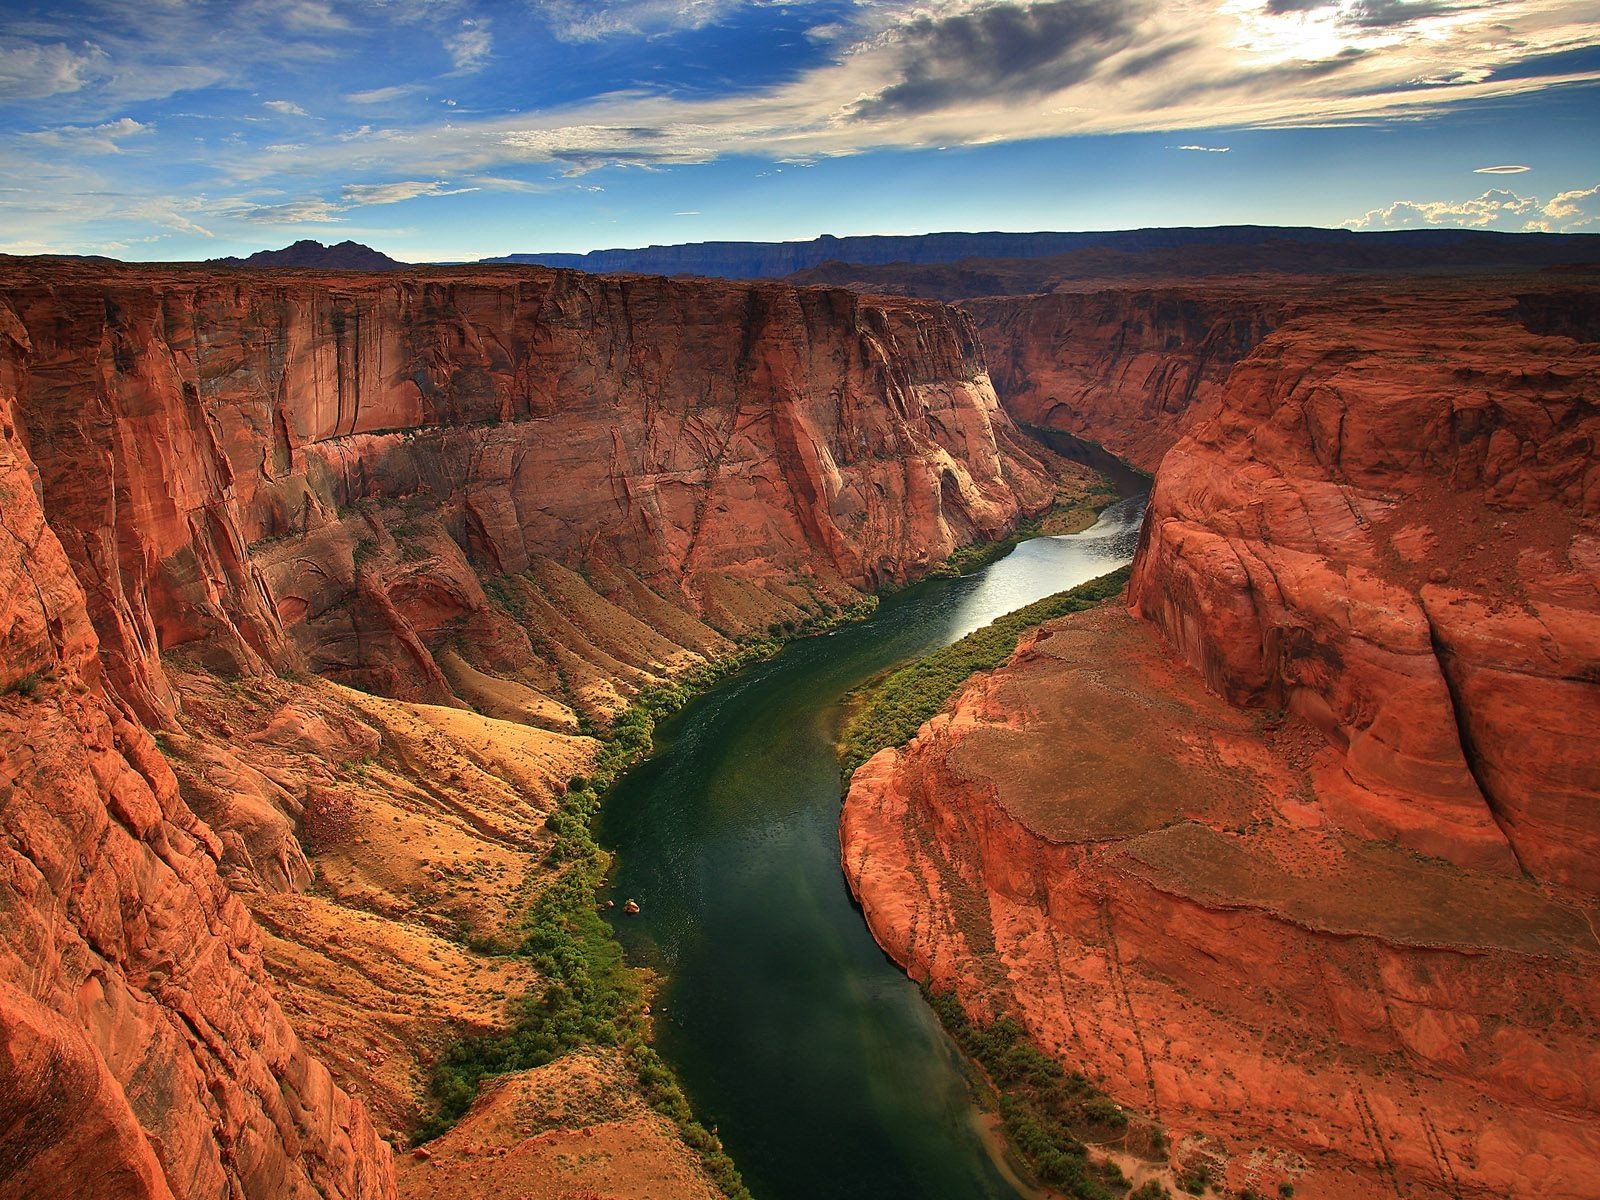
pixel 590 996
pixel 890 710
pixel 1050 1115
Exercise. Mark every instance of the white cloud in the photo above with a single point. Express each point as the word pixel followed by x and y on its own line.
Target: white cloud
pixel 31 71
pixel 1205 149
pixel 1500 208
pixel 592 20
pixel 356 195
pixel 383 95
pixel 1507 169
pixel 1577 209
pixel 926 73
pixel 287 107
pixel 470 47
pixel 90 139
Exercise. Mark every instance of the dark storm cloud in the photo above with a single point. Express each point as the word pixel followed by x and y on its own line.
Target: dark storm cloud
pixel 1280 8
pixel 1006 50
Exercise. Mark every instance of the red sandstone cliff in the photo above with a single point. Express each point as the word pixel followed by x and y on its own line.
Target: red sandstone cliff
pixel 744 450
pixel 1304 862
pixel 1130 368
pixel 142 1051
pixel 1392 529
pixel 519 492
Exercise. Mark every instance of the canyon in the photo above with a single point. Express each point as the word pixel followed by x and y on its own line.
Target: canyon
pixel 323 588
pixel 317 588
pixel 1294 851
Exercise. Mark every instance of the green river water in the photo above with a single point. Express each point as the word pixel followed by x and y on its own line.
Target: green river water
pixel 827 1075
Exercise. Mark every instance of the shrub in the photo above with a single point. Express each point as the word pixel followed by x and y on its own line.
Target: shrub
pixel 1046 1111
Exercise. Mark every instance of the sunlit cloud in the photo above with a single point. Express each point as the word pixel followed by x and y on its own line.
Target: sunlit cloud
pixel 1498 208
pixel 298 113
pixel 90 139
pixel 32 71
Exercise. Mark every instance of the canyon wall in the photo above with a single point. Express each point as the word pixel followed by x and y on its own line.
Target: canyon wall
pixel 306 472
pixel 1392 529
pixel 1299 854
pixel 1128 368
pixel 309 581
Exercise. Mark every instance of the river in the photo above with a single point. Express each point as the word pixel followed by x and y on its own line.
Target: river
pixel 828 1077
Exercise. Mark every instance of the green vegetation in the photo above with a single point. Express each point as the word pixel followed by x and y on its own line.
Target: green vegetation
pixel 889 711
pixel 1048 1112
pixel 24 685
pixel 591 997
pixel 1196 1179
pixel 1150 1190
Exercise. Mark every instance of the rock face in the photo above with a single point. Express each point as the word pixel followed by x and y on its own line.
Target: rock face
pixel 320 473
pixel 1391 527
pixel 142 1051
pixel 499 499
pixel 1304 859
pixel 1127 368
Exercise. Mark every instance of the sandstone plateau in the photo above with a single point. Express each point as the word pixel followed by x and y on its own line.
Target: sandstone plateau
pixel 307 586
pixel 1300 851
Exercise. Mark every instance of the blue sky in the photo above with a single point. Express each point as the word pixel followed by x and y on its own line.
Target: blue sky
pixel 454 129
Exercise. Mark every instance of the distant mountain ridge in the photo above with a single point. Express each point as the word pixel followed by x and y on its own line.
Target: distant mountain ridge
pixel 756 260
pixel 344 256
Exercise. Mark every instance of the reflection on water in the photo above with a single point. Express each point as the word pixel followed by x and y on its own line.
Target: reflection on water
pixel 1047 561
pixel 825 1072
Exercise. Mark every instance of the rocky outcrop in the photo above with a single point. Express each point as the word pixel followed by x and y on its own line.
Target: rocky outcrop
pixel 1144 874
pixel 314 255
pixel 1304 861
pixel 142 1050
pixel 1391 527
pixel 494 500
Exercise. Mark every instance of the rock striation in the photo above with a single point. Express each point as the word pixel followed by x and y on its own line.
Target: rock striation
pixel 490 500
pixel 1299 853
pixel 1391 527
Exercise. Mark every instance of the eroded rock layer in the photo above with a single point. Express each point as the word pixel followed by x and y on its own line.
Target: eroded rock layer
pixel 1129 368
pixel 1303 862
pixel 358 552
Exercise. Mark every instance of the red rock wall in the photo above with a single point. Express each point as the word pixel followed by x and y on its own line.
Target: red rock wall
pixel 1391 526
pixel 142 1053
pixel 1127 368
pixel 693 432
pixel 1304 864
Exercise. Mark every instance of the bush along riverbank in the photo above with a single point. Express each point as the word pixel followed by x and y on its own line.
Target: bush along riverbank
pixel 890 710
pixel 590 996
pixel 1051 1116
